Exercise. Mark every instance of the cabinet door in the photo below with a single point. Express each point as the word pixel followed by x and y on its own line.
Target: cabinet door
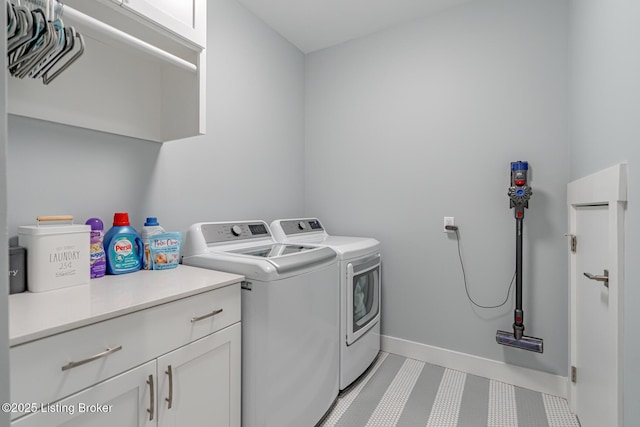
pixel 121 401
pixel 187 18
pixel 203 387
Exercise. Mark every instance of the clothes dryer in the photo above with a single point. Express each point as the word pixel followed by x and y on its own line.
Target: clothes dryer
pixel 360 283
pixel 290 317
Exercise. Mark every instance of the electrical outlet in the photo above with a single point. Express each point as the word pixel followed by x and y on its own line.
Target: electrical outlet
pixel 448 220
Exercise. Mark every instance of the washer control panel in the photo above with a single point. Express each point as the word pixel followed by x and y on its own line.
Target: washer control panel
pixel 216 232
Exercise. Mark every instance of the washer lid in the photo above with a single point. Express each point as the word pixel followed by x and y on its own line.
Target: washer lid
pixel 261 266
pixel 270 251
pixel 287 258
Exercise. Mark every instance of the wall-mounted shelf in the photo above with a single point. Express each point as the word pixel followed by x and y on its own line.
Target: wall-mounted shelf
pixel 137 77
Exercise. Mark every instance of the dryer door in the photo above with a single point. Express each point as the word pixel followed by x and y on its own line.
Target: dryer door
pixel 363 296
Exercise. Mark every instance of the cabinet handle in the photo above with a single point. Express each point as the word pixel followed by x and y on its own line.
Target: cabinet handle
pixel 105 353
pixel 152 398
pixel 206 316
pixel 169 399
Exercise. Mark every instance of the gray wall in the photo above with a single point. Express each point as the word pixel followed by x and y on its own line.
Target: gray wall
pixel 250 165
pixel 421 121
pixel 604 128
pixel 255 120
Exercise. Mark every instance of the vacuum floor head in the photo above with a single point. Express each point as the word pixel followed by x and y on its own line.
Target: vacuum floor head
pixel 524 343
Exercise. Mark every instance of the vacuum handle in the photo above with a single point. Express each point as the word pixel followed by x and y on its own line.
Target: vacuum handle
pixel 518 313
pixel 519 235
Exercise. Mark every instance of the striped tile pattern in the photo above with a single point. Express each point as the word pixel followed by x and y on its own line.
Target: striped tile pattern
pixel 446 407
pixel 392 403
pixel 502 405
pixel 400 392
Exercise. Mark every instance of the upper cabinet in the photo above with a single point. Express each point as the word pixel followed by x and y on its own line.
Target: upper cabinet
pixel 186 18
pixel 142 73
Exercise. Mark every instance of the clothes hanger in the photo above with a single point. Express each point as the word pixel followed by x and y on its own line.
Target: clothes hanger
pixel 69 39
pixel 65 44
pixel 47 42
pixel 25 27
pixel 55 42
pixel 46 79
pixel 11 20
pixel 29 30
pixel 33 46
pixel 23 49
pixel 57 48
pixel 39 45
pixel 23 33
pixel 34 28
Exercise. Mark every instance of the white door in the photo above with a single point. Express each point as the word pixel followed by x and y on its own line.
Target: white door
pixel 596 219
pixel 595 324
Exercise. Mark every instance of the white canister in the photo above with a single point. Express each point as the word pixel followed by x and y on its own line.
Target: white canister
pixel 57 253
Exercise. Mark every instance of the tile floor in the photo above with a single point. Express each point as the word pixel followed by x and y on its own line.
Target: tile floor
pixel 401 392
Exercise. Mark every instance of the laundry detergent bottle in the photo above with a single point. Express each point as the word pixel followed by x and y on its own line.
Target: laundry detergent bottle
pixel 151 228
pixel 123 246
pixel 97 254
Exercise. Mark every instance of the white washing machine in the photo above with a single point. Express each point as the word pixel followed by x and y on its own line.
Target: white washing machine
pixel 290 317
pixel 359 278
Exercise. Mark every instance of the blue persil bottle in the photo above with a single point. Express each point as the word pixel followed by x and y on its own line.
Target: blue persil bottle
pixel 123 246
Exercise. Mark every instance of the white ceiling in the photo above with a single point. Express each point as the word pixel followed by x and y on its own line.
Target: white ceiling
pixel 315 24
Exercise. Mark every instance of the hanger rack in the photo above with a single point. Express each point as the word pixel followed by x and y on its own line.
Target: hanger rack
pixel 41 46
pixel 121 36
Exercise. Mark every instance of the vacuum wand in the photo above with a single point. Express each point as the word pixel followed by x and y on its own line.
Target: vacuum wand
pixel 518 314
pixel 519 195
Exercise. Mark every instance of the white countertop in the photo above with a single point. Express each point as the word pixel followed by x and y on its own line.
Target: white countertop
pixel 37 315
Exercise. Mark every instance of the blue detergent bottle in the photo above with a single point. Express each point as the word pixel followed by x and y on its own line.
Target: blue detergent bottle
pixel 123 246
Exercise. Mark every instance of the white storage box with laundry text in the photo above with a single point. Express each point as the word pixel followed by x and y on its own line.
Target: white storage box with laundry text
pixel 57 253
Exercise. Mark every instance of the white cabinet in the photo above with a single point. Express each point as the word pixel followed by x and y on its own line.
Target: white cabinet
pixel 201 381
pixel 152 88
pixel 198 384
pixel 121 401
pixel 186 18
pixel 186 352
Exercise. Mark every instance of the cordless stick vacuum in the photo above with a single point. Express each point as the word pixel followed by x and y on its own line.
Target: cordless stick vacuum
pixel 519 195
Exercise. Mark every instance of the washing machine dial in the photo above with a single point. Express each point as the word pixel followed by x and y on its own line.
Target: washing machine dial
pixel 236 230
pixel 302 225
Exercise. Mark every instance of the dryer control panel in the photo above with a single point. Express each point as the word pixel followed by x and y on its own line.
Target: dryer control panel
pixel 299 226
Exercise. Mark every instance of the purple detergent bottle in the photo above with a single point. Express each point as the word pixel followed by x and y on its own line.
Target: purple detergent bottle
pixel 97 255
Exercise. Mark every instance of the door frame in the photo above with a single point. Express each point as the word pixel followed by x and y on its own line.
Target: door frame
pixel 606 187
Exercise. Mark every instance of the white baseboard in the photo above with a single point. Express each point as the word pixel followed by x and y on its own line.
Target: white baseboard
pixel 532 379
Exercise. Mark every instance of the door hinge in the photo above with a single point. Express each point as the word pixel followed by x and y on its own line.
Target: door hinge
pixel 247 285
pixel 574 373
pixel 573 242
